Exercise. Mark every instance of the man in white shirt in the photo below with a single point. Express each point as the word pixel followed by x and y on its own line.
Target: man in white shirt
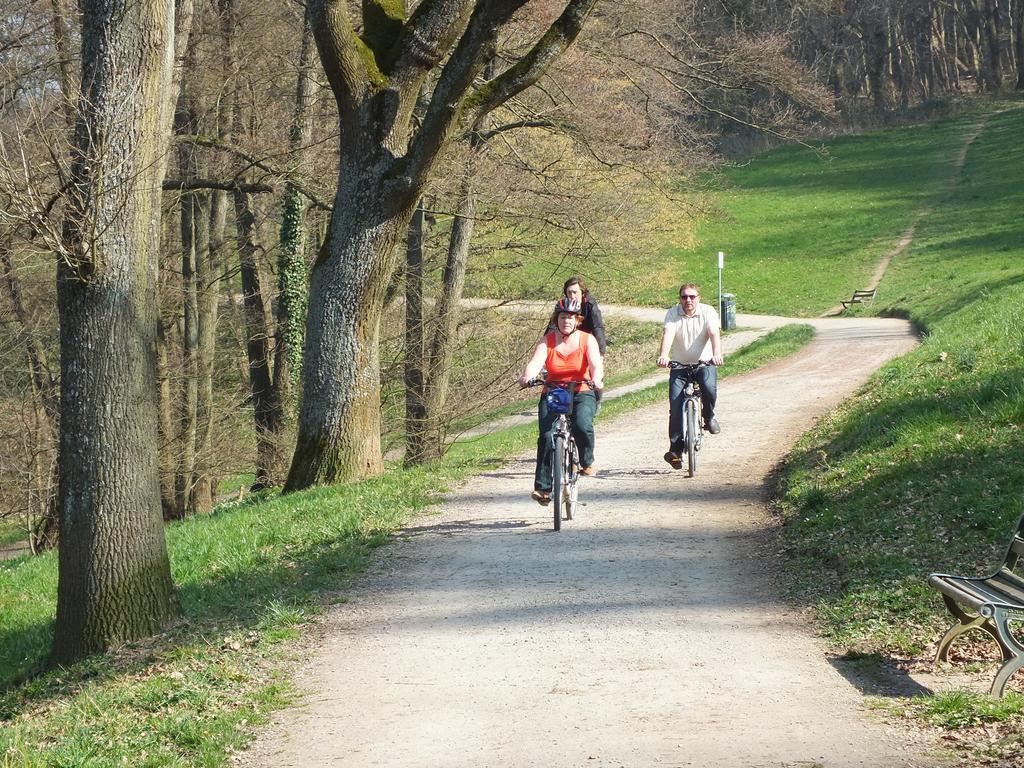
pixel 692 334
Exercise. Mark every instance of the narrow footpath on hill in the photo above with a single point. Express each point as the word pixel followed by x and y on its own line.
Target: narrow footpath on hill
pixel 907 236
pixel 648 632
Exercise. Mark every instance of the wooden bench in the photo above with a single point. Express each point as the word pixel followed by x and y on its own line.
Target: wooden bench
pixel 865 296
pixel 992 602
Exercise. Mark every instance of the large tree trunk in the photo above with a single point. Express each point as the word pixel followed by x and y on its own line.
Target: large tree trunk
pixel 339 421
pixel 1018 41
pixel 114 579
pixel 384 165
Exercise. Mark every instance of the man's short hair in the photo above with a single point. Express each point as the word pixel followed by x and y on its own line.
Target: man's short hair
pixel 684 286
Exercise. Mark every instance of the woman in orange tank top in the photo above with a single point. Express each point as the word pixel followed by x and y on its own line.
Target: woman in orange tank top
pixel 568 354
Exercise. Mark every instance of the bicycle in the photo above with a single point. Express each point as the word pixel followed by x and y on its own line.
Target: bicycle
pixel 565 455
pixel 693 425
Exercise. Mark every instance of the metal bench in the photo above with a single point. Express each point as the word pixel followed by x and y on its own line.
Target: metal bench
pixel 865 296
pixel 992 602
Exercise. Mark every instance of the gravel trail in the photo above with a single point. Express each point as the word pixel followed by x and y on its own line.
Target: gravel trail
pixel 648 632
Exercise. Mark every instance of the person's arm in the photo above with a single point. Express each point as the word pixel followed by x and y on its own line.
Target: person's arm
pixel 540 354
pixel 666 345
pixel 597 326
pixel 716 347
pixel 667 337
pixel 596 361
pixel 715 336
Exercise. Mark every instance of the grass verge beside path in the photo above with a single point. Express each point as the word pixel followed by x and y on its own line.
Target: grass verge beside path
pixel 923 470
pixel 11 532
pixel 251 576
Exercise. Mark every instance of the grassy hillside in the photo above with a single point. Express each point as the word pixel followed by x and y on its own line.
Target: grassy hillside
pixel 801 227
pixel 924 471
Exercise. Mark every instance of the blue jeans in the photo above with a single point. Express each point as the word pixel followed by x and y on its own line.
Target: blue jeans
pixel 584 406
pixel 707 377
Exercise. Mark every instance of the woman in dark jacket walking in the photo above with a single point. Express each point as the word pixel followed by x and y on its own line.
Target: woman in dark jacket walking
pixel 593 323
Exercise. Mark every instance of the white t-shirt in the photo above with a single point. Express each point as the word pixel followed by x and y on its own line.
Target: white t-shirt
pixel 692 340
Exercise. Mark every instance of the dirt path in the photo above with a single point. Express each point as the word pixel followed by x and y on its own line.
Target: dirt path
pixel 648 632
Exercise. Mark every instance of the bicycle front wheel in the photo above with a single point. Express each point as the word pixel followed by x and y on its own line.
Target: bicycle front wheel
pixel 558 479
pixel 692 425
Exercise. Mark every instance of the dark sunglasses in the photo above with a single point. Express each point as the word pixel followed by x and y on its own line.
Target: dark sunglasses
pixel 690 296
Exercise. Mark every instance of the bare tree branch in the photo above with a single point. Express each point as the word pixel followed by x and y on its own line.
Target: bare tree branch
pixel 300 184
pixel 171 185
pixel 530 68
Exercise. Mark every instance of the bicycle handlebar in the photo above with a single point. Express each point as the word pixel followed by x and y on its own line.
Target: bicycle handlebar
pixel 689 366
pixel 537 382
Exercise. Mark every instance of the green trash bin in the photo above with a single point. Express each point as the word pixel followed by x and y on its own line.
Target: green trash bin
pixel 727 310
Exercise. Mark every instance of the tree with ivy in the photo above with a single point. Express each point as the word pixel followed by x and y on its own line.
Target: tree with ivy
pixel 385 162
pixel 291 279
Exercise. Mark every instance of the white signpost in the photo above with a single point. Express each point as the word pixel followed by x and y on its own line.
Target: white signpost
pixel 721 264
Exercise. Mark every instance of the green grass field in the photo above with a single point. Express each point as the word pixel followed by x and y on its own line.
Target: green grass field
pixel 801 227
pixel 924 470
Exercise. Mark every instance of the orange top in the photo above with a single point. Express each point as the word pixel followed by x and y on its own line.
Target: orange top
pixel 572 367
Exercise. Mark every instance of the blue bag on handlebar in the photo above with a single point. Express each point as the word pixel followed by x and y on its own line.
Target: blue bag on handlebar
pixel 558 399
